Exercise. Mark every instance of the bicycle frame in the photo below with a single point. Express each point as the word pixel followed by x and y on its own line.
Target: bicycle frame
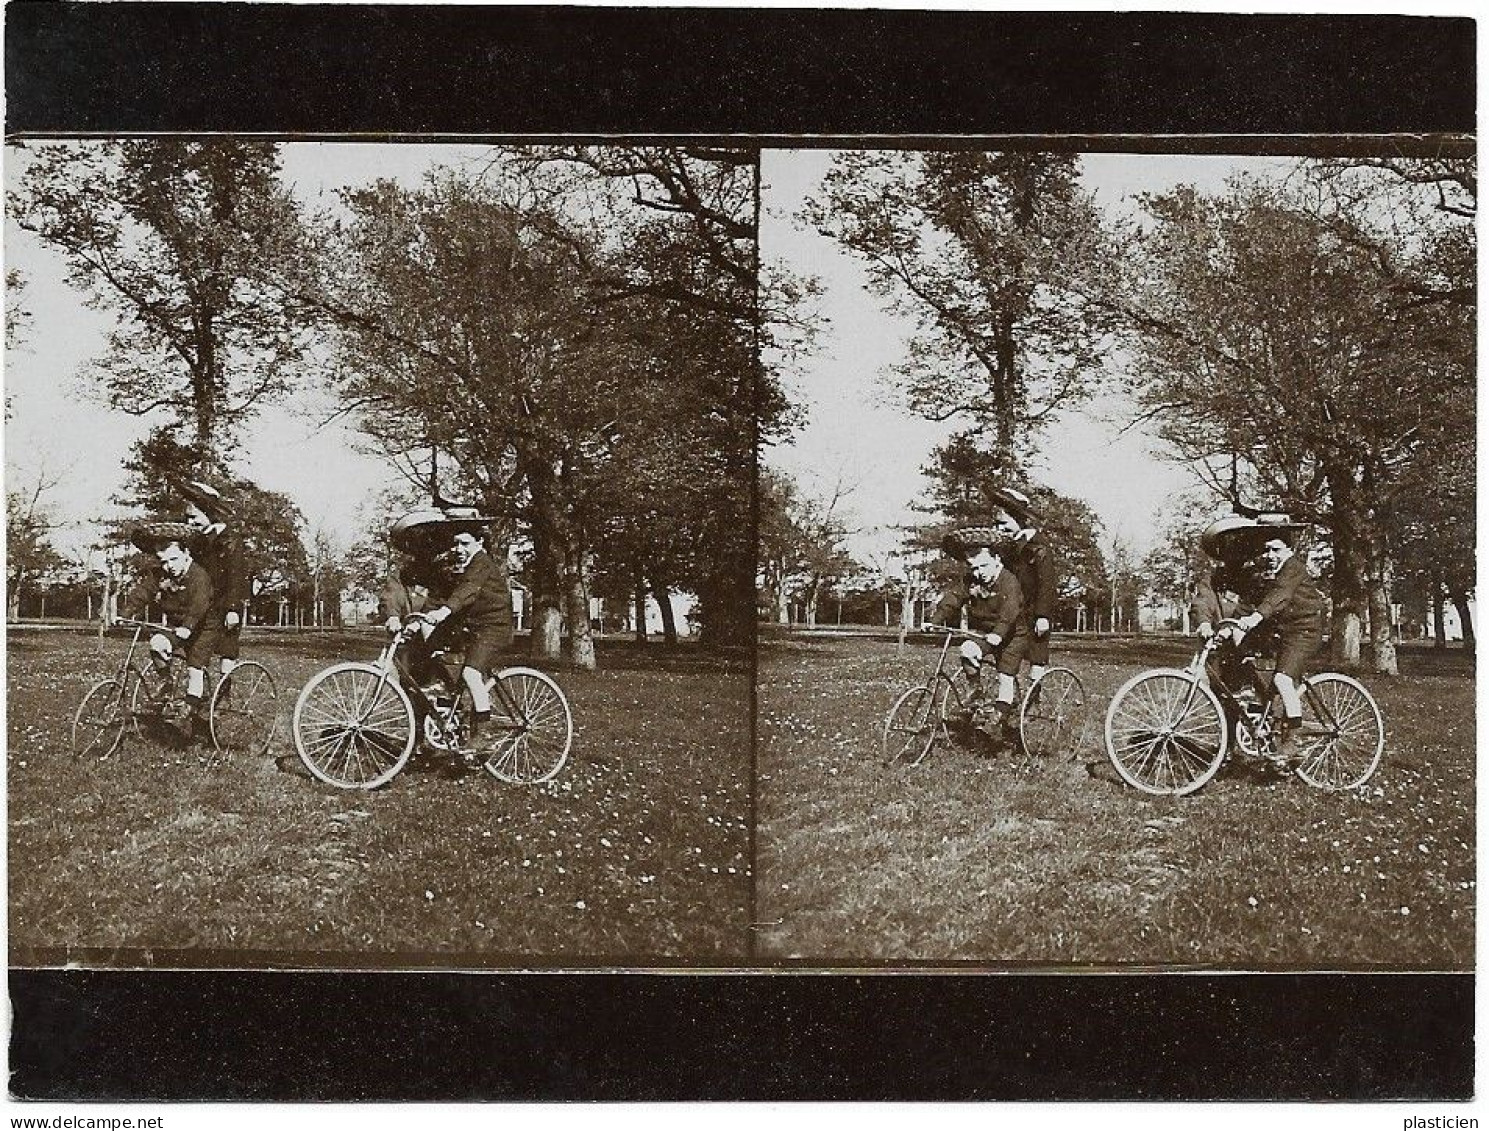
pixel 1227 695
pixel 511 718
pixel 140 626
pixel 940 668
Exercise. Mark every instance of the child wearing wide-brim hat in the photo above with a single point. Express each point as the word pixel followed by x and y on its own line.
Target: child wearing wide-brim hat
pixel 991 596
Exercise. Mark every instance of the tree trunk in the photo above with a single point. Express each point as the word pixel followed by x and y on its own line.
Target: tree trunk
pixel 726 608
pixel 639 591
pixel 1460 602
pixel 546 640
pixel 1382 646
pixel 1347 621
pixel 576 609
pixel 1439 625
pixel 783 606
pixel 660 591
pixel 1346 631
pixel 811 617
pixel 907 613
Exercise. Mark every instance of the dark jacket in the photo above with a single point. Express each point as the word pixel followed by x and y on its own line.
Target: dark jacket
pixel 219 551
pixel 400 597
pixel 1230 591
pixel 1033 563
pixel 991 607
pixel 187 600
pixel 481 594
pixel 1293 602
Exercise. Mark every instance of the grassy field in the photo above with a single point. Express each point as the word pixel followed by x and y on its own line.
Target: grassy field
pixel 637 851
pixel 966 858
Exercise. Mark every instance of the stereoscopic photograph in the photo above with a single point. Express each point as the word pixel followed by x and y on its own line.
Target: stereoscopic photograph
pixel 1117 564
pixel 380 553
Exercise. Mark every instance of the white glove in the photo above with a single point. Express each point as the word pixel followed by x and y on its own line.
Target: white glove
pixel 1204 631
pixel 435 616
pixel 994 640
pixel 183 633
pixel 1042 626
pixel 232 620
pixel 392 625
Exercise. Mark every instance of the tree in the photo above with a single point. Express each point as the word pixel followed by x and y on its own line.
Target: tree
pixel 30 556
pixel 1415 218
pixel 530 337
pixel 801 546
pixel 994 256
pixel 177 239
pixel 17 317
pixel 1171 569
pixel 682 256
pixel 1275 351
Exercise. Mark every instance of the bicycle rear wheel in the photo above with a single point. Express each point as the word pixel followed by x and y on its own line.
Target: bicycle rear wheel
pixel 101 719
pixel 527 739
pixel 245 710
pixel 1342 735
pixel 1052 717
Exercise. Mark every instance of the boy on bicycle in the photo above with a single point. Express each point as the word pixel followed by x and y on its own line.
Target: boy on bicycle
pixel 994 605
pixel 1028 554
pixel 481 603
pixel 1293 608
pixel 184 590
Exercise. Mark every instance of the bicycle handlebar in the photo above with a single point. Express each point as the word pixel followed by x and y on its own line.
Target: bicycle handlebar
pixel 131 623
pixel 969 633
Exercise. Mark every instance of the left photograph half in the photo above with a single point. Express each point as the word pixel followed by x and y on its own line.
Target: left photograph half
pixel 380 553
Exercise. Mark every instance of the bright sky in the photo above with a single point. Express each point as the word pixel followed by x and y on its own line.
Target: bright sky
pixel 58 428
pixel 856 433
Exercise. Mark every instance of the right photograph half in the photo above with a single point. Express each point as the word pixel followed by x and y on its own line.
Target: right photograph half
pixel 1116 568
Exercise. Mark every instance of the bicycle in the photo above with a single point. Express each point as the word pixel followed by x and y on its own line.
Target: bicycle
pixel 241 714
pixel 1051 713
pixel 1168 733
pixel 356 723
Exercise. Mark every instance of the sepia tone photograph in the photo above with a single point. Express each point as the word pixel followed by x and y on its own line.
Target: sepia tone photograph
pixel 1117 565
pixel 380 553
pixel 522 521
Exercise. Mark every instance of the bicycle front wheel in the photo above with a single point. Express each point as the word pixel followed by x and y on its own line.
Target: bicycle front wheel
pixel 910 727
pixel 245 710
pixel 1052 717
pixel 1165 732
pixel 102 716
pixel 1342 735
pixel 354 726
pixel 526 741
